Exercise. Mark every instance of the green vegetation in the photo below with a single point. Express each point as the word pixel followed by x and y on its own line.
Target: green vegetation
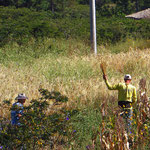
pixel 70 67
pixel 22 24
pixel 46 45
pixel 37 129
pixel 47 125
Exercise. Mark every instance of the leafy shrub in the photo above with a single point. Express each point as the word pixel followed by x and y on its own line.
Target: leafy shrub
pixel 113 30
pixel 38 127
pixel 20 25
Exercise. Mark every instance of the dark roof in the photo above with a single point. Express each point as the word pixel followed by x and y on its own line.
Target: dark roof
pixel 144 14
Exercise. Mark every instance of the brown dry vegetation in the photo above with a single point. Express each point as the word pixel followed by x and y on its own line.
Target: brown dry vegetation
pixel 29 79
pixel 79 77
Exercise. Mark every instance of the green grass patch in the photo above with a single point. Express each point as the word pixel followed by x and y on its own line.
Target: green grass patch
pixel 129 44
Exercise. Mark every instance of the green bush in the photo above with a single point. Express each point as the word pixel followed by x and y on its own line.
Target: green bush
pixel 19 25
pixel 22 24
pixel 114 29
pixel 38 127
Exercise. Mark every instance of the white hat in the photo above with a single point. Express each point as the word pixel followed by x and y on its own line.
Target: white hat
pixel 21 96
pixel 127 77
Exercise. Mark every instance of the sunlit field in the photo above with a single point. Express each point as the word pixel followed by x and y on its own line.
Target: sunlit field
pixel 76 75
pixel 71 68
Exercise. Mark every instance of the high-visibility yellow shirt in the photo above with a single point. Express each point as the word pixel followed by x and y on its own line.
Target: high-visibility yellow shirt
pixel 126 92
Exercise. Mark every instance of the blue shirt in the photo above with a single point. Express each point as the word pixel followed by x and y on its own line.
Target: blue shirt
pixel 17 108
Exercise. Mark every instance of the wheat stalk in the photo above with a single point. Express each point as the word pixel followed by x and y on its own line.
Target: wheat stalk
pixel 103 68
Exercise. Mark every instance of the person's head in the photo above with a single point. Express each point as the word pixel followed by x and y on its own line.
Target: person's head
pixel 127 78
pixel 21 98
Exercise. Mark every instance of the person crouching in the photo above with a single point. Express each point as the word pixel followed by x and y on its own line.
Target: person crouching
pixel 17 109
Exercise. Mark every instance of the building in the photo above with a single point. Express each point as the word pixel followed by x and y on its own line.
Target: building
pixel 144 14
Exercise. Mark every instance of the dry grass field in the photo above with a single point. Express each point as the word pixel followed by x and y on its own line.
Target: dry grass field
pixel 78 77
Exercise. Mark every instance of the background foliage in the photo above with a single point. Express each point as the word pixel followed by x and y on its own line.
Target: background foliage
pixel 22 24
pixel 22 20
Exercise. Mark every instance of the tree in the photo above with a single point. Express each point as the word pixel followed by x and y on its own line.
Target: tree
pixel 58 5
pixel 143 4
pixel 84 2
pixel 125 6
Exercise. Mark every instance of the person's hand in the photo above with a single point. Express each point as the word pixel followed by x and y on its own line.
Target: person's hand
pixel 19 115
pixel 105 77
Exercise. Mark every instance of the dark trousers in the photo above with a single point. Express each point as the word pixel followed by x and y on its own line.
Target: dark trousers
pixel 127 115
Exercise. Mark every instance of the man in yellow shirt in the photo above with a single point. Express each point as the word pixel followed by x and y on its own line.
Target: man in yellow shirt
pixel 126 97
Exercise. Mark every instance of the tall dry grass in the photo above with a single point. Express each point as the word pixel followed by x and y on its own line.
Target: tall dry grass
pixel 68 75
pixel 79 77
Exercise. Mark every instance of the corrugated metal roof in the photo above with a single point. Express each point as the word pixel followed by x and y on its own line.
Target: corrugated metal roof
pixel 144 14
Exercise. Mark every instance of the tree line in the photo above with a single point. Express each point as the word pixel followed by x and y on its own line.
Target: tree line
pixel 125 6
pixel 21 20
